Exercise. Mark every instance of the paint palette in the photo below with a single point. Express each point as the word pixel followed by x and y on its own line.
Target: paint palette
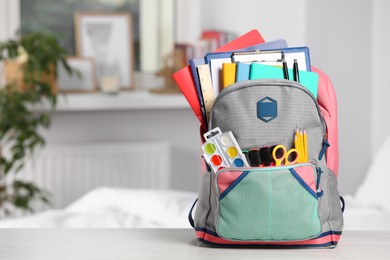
pixel 221 150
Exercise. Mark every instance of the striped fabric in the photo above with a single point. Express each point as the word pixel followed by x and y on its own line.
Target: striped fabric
pixel 327 239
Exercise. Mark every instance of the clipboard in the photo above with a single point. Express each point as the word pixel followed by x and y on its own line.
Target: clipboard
pixel 272 45
pixel 273 57
pixel 215 60
pixel 301 54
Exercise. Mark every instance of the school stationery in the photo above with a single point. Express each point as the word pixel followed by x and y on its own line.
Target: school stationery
pixel 193 64
pixel 185 82
pixel 271 45
pixel 283 157
pixel 229 73
pixel 285 70
pixel 207 88
pixel 296 70
pixel 254 158
pixel 301 54
pixel 266 156
pixel 307 79
pixel 260 157
pixel 297 144
pixel 242 71
pixel 300 143
pixel 221 150
pixel 305 147
pixel 184 79
pixel 216 73
pixel 274 57
pixel 216 59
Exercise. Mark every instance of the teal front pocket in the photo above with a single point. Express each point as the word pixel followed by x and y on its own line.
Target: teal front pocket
pixel 268 204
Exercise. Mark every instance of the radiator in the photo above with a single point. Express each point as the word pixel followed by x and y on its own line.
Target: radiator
pixel 71 170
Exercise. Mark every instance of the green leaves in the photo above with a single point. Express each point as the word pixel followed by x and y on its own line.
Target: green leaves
pixel 19 125
pixel 24 193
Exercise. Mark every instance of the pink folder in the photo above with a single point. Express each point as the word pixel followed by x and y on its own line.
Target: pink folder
pixel 186 83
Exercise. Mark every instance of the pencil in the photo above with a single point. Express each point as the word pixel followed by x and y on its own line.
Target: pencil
pixel 296 146
pixel 297 143
pixel 305 145
pixel 302 146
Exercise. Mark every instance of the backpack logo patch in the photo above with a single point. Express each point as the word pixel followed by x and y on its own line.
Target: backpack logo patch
pixel 267 109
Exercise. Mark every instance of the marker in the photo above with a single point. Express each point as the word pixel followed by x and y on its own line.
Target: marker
pixel 296 71
pixel 285 70
pixel 254 158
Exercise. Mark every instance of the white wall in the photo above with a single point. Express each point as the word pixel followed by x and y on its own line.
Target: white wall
pixel 179 127
pixel 188 25
pixel 274 19
pixel 380 73
pixel 335 31
pixel 339 34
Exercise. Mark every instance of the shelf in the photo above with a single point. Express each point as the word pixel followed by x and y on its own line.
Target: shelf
pixel 131 100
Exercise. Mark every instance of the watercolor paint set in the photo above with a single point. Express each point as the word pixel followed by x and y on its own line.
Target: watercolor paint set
pixel 221 150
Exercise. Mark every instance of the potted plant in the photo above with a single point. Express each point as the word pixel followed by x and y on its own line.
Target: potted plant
pixel 30 79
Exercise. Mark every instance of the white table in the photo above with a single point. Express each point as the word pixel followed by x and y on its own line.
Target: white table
pixel 168 244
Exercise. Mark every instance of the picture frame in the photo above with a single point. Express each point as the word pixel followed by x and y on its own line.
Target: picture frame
pixel 85 82
pixel 107 38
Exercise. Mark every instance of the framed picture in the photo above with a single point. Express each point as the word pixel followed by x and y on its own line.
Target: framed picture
pixel 85 82
pixel 108 39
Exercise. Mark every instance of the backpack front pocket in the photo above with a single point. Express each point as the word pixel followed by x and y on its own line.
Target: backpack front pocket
pixel 268 204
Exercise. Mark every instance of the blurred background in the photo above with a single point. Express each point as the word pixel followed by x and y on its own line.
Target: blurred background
pixel 142 133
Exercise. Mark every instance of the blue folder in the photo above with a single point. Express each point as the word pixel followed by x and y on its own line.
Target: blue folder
pixel 242 71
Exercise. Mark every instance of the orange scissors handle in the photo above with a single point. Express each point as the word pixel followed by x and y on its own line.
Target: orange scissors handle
pixel 280 154
pixel 288 156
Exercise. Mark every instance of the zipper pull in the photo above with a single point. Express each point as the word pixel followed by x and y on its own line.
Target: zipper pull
pixel 325 145
pixel 319 172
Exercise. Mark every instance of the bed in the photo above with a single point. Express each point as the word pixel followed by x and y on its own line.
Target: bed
pixel 368 209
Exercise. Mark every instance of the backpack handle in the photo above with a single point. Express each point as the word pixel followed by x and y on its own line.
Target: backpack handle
pixel 190 218
pixel 342 202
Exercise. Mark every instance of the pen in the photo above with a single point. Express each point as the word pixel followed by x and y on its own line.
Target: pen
pixel 296 71
pixel 285 70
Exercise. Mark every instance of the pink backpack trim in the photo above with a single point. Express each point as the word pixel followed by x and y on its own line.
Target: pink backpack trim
pixel 328 105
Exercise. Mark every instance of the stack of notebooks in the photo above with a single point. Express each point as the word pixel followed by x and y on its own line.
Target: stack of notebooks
pixel 248 57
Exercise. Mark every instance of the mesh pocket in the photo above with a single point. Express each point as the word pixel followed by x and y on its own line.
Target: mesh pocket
pixel 273 204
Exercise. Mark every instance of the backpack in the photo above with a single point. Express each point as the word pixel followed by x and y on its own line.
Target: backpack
pixel 294 205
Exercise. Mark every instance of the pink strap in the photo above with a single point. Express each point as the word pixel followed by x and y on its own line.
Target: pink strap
pixel 328 104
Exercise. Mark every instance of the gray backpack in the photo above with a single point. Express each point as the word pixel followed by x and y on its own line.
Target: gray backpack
pixel 295 205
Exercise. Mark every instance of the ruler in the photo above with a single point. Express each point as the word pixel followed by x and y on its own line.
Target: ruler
pixel 207 88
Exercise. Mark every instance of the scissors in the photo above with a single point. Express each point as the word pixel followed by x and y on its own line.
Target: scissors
pixel 280 154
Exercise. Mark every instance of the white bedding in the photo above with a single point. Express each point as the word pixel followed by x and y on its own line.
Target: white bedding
pixel 360 217
pixel 115 208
